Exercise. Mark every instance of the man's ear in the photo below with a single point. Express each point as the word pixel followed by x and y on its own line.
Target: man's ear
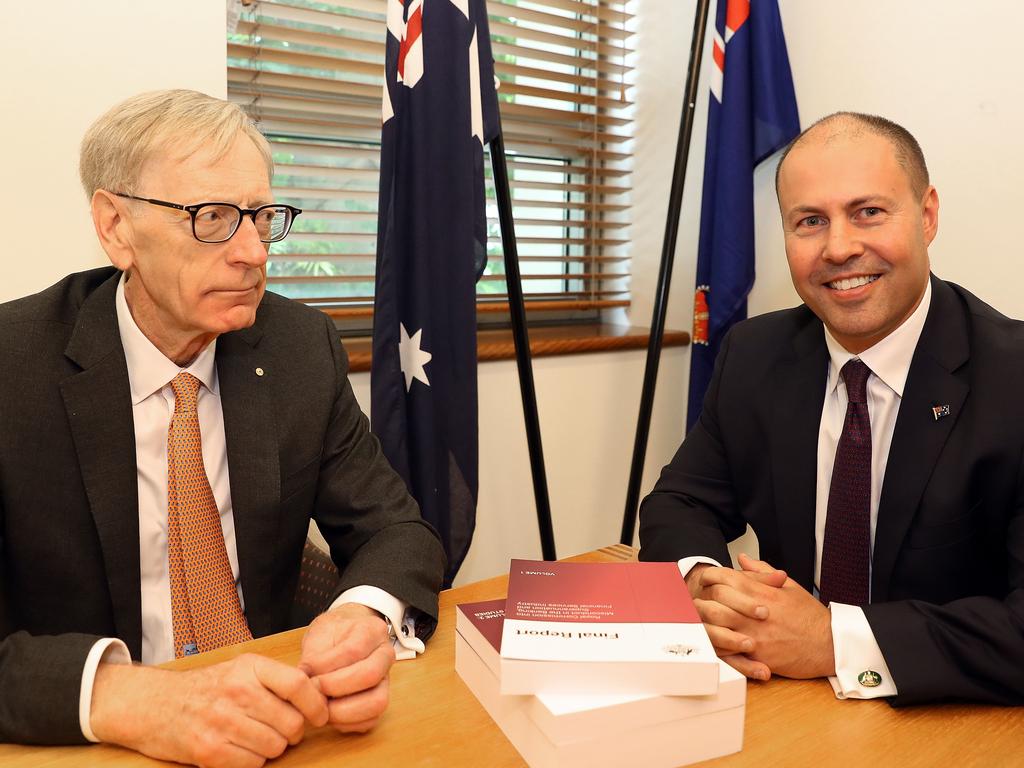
pixel 113 228
pixel 930 214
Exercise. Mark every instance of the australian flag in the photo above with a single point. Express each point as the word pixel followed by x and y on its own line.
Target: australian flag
pixel 752 115
pixel 439 109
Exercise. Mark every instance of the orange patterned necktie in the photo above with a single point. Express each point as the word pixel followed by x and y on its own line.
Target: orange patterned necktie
pixel 204 601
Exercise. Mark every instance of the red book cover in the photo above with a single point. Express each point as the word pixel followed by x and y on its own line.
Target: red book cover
pixel 611 627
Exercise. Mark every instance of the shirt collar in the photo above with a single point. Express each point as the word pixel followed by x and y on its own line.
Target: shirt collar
pixel 890 358
pixel 149 370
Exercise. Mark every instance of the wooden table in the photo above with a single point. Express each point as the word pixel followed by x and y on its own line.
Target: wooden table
pixel 434 720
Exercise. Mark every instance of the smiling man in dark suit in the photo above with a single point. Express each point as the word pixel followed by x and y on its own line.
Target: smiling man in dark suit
pixel 167 431
pixel 873 440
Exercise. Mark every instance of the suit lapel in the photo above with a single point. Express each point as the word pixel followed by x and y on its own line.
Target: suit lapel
pixel 253 464
pixel 918 437
pixel 795 395
pixel 106 451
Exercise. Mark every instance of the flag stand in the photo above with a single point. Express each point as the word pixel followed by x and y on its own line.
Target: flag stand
pixel 661 293
pixel 522 343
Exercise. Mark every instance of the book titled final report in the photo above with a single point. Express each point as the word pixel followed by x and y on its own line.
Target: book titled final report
pixel 603 628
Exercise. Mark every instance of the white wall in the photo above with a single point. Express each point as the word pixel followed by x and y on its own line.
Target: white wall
pixel 587 406
pixel 65 64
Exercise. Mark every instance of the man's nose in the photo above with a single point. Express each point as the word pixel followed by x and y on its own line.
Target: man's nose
pixel 246 246
pixel 843 242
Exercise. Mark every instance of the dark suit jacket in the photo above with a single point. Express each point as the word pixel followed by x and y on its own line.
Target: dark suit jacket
pixel 948 571
pixel 298 447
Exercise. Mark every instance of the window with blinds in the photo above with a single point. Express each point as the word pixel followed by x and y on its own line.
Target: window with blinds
pixel 311 74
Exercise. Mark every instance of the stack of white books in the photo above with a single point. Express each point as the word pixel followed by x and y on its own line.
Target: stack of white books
pixel 603 664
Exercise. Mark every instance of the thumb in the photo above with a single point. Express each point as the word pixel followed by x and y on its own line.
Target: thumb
pixel 764 572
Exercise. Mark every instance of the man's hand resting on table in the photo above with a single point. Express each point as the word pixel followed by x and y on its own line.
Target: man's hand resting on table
pixel 347 654
pixel 237 714
pixel 762 622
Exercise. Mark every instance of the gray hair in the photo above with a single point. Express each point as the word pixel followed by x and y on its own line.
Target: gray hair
pixel 118 145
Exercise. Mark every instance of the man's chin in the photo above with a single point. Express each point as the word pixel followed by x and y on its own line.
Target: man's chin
pixel 236 318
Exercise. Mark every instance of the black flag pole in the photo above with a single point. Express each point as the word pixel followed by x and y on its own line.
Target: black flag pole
pixel 643 423
pixel 522 342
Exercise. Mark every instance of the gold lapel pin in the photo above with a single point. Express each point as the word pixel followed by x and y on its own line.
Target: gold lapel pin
pixel 259 372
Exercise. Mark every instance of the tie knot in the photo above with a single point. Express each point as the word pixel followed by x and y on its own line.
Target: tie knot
pixel 855 374
pixel 186 392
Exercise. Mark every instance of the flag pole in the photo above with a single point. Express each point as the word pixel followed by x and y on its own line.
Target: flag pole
pixel 522 343
pixel 643 423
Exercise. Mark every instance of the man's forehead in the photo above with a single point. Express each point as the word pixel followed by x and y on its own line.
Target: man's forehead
pixel 207 162
pixel 851 164
pixel 841 143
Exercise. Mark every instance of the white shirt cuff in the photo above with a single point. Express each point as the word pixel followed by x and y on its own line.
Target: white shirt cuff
pixel 686 564
pixel 861 671
pixel 402 618
pixel 108 651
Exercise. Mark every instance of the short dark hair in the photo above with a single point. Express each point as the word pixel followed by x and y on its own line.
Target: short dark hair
pixel 908 151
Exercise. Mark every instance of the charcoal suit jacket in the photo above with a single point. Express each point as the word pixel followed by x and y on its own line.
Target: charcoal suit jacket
pixel 298 447
pixel 947 580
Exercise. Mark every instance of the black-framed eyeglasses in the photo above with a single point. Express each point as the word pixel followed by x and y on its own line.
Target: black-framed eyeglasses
pixel 218 222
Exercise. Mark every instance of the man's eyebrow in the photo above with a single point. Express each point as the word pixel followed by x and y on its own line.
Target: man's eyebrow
pixel 803 209
pixel 858 202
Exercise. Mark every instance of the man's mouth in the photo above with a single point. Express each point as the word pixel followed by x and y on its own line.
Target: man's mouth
pixel 849 283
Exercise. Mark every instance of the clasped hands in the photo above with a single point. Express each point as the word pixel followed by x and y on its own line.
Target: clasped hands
pixel 247 710
pixel 761 622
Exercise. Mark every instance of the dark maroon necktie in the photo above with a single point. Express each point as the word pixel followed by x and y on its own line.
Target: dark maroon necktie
pixel 846 553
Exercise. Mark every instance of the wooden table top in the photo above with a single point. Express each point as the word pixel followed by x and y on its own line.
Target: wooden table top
pixel 434 720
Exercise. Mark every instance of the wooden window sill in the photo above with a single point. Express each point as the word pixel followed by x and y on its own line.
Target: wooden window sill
pixel 544 342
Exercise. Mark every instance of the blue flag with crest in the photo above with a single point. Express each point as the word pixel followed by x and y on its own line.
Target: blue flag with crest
pixel 439 110
pixel 752 114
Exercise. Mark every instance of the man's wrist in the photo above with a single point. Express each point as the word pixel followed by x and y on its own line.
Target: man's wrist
pixel 116 716
pixel 357 610
pixel 827 645
pixel 109 650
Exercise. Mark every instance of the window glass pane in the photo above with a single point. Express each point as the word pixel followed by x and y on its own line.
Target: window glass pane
pixel 310 73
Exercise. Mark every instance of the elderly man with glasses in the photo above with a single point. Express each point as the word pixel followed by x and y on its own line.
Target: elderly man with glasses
pixel 167 431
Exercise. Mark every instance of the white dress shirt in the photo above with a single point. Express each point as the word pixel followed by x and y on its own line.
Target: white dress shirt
pixel 856 649
pixel 149 377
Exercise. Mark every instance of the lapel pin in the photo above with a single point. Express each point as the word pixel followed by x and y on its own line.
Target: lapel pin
pixel 940 411
pixel 259 372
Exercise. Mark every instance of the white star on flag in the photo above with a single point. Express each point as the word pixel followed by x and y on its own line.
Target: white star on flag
pixel 412 357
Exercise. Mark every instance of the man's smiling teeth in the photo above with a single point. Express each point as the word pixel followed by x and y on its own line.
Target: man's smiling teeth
pixel 852 282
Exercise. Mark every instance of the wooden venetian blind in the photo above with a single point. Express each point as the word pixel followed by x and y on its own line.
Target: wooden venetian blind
pixel 311 75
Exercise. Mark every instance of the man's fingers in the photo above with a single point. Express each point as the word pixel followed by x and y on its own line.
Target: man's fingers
pixel 747 667
pixel 360 708
pixel 257 737
pixel 721 614
pixel 358 641
pixel 280 715
pixel 211 751
pixel 362 727
pixel 745 582
pixel 763 572
pixel 748 563
pixel 359 676
pixel 736 601
pixel 291 685
pixel 727 641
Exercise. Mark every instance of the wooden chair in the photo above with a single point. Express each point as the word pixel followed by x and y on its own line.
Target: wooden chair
pixel 318 583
